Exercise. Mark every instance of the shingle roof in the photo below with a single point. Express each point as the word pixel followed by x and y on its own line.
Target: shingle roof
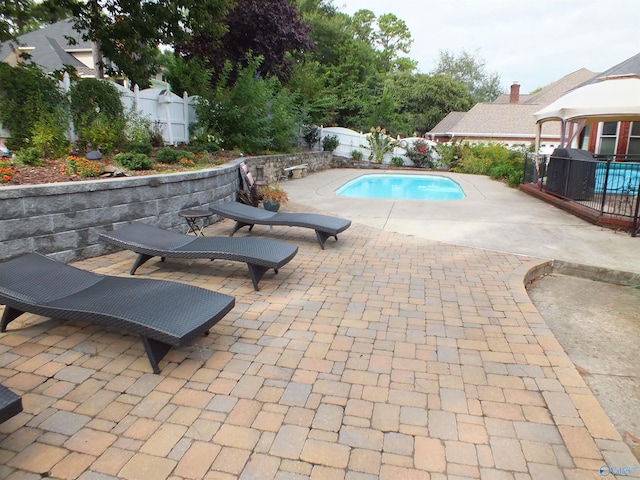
pixel 631 66
pixel 49 47
pixel 554 91
pixel 503 119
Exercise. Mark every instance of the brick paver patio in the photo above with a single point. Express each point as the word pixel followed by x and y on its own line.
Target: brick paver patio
pixel 382 356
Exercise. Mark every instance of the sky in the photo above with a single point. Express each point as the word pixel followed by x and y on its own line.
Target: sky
pixel 533 43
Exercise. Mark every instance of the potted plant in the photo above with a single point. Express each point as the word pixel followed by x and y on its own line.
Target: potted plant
pixel 273 196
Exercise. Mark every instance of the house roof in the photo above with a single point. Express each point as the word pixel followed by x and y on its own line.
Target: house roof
pixel 631 66
pixel 49 47
pixel 501 119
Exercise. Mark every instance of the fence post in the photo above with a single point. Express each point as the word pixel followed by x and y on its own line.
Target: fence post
pixel 66 86
pixel 185 112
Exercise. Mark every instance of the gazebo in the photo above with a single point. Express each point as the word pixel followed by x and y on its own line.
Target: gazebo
pixel 605 192
pixel 610 99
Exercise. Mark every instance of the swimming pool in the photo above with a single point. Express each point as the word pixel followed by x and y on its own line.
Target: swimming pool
pixel 402 187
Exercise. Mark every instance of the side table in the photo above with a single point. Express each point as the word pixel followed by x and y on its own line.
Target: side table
pixel 192 217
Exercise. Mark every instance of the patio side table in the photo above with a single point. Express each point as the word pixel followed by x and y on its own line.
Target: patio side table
pixel 192 217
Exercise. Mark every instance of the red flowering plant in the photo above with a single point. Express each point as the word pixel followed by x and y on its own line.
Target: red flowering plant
pixel 6 171
pixel 419 152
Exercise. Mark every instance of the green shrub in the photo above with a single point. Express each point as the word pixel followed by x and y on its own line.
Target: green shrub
pixel 397 161
pixel 168 155
pixel 26 94
pixel 29 156
pixel 141 147
pixel 49 135
pixel 133 161
pixel 137 128
pixel 330 143
pixel 97 112
pixel 202 147
pixel 357 154
pixel 101 132
pixel 495 160
pixel 254 114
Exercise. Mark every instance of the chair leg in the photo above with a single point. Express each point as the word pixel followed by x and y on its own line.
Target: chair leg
pixel 239 225
pixel 256 272
pixel 155 351
pixel 322 237
pixel 142 258
pixel 9 315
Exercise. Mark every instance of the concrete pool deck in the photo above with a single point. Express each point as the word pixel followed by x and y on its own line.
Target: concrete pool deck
pixel 492 216
pixel 387 355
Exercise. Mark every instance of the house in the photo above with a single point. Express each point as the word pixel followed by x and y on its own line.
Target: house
pixel 620 139
pixel 509 119
pixel 49 48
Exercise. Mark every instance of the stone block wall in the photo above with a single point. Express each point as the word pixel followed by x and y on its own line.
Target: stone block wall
pixel 64 220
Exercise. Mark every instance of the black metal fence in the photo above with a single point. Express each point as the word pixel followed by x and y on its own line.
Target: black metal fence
pixel 605 184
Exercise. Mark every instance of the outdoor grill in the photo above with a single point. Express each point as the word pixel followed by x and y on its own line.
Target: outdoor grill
pixel 571 174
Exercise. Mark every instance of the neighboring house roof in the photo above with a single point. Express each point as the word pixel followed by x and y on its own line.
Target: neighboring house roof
pixel 50 49
pixel 503 120
pixel 631 66
pixel 448 122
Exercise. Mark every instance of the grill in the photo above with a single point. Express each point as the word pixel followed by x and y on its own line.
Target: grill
pixel 571 174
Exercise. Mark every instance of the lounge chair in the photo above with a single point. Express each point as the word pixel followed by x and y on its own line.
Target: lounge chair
pixel 164 314
pixel 148 242
pixel 325 226
pixel 10 404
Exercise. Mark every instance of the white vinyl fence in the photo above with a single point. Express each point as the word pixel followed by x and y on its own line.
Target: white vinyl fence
pixel 172 114
pixel 351 140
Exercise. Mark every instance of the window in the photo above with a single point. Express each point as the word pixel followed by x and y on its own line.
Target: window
pixel 584 137
pixel 634 139
pixel 608 138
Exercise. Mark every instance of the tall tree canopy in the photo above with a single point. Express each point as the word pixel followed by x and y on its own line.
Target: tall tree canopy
pixel 388 35
pixel 470 69
pixel 270 29
pixel 128 33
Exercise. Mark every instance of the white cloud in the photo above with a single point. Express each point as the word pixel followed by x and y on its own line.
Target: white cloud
pixel 534 43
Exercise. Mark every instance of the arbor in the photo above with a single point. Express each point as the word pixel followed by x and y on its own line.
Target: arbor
pixel 470 70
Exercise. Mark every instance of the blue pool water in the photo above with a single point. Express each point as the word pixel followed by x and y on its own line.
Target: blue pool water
pixel 624 178
pixel 402 187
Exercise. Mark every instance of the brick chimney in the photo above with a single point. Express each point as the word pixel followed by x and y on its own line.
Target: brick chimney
pixel 514 95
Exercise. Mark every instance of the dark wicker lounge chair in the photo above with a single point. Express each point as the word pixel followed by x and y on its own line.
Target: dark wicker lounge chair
pixel 164 314
pixel 148 242
pixel 325 226
pixel 10 404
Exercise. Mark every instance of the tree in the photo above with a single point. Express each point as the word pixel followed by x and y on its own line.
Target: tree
pixel 190 75
pixel 128 33
pixel 272 30
pixel 470 70
pixel 18 17
pixel 393 37
pixel 388 35
pixel 423 100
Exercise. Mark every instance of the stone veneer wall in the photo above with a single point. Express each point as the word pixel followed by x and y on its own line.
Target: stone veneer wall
pixel 64 220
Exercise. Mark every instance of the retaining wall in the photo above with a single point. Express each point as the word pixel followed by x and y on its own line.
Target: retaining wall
pixel 64 220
